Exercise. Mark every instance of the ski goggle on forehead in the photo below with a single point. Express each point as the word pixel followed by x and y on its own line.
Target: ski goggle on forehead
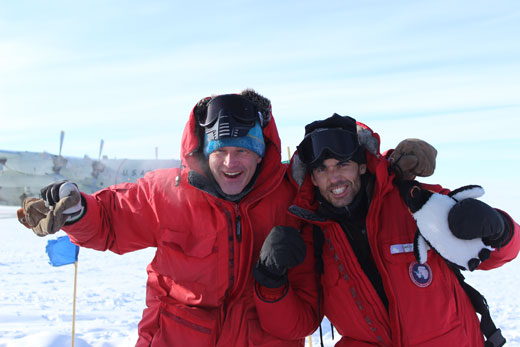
pixel 340 143
pixel 234 106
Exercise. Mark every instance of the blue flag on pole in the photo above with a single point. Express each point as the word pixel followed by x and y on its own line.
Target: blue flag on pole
pixel 61 251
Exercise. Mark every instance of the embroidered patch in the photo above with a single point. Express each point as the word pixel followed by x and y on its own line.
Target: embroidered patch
pixel 420 274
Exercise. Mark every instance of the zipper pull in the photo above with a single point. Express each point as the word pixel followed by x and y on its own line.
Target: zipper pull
pixel 239 229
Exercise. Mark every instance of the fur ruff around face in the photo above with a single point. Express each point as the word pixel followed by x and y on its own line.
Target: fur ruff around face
pixel 368 141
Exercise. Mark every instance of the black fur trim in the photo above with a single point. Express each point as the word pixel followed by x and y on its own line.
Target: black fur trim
pixel 200 109
pixel 263 104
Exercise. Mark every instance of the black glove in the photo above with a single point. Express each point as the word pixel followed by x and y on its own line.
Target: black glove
pixel 51 193
pixel 471 218
pixel 283 249
pixel 430 211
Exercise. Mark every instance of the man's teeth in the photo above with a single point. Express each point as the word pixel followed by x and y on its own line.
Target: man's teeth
pixel 339 190
pixel 232 174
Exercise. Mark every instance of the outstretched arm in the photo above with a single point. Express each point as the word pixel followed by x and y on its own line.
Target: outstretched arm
pixel 118 218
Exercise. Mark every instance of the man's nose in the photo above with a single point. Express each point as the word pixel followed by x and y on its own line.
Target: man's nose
pixel 230 159
pixel 333 174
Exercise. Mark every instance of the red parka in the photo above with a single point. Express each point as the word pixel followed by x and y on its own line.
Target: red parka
pixel 200 286
pixel 425 309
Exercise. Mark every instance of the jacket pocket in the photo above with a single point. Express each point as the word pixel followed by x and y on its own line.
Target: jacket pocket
pixel 192 241
pixel 182 325
pixel 425 297
pixel 192 268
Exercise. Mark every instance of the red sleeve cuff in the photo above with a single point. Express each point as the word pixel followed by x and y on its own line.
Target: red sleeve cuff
pixel 271 294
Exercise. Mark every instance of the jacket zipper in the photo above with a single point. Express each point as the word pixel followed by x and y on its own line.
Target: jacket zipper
pixel 238 229
pixel 238 225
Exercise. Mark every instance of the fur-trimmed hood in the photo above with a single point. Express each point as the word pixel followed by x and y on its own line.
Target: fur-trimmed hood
pixel 271 169
pixel 193 135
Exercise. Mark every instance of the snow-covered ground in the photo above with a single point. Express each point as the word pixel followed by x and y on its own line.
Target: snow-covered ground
pixel 36 299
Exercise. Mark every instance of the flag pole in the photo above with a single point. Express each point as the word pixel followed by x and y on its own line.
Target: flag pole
pixel 288 153
pixel 74 302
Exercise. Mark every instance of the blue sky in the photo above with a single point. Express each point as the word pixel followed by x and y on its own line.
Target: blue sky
pixel 129 72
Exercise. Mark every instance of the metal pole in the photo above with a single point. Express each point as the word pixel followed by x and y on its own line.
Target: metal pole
pixel 74 302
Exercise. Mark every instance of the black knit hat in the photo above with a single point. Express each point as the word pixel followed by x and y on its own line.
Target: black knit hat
pixel 334 121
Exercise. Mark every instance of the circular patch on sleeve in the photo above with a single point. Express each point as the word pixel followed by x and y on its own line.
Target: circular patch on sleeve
pixel 420 274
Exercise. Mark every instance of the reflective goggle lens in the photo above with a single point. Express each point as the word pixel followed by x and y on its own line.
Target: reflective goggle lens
pixel 231 105
pixel 340 142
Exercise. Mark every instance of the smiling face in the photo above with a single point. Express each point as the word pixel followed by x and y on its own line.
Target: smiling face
pixel 233 168
pixel 338 181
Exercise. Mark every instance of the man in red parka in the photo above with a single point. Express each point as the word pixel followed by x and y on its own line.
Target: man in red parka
pixel 384 282
pixel 208 221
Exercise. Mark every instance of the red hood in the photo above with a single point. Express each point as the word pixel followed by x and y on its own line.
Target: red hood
pixel 193 158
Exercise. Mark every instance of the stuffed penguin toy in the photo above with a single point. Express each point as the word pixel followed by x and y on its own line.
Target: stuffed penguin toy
pixel 431 210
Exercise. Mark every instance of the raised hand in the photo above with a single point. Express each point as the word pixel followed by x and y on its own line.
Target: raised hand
pixel 413 157
pixel 60 203
pixel 283 249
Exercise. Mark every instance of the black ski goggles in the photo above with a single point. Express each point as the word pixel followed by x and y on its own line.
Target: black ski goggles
pixel 341 144
pixel 229 115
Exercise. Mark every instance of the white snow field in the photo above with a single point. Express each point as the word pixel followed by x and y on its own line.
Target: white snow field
pixel 36 299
